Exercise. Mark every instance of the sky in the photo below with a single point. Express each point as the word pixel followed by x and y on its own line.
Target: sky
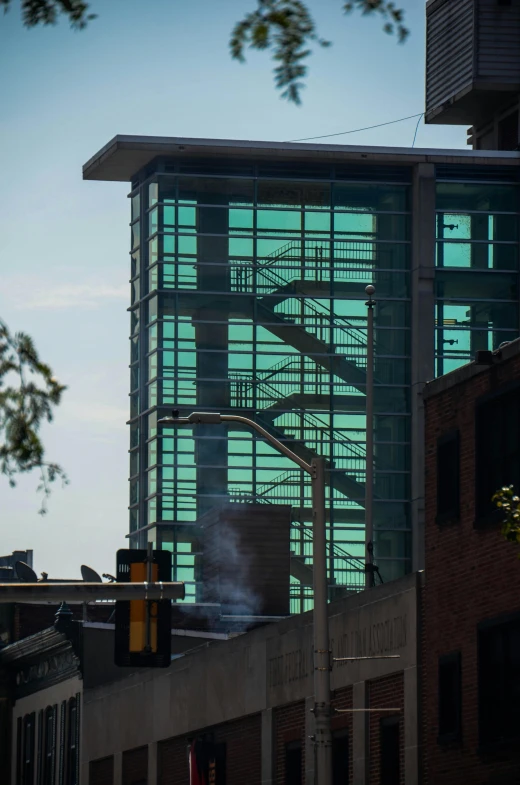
pixel 159 67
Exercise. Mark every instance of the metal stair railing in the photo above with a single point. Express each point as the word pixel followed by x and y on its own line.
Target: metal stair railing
pixel 348 571
pixel 267 493
pixel 290 376
pixel 317 436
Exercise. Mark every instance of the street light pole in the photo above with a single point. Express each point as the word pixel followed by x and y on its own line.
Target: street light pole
pixel 369 476
pixel 322 655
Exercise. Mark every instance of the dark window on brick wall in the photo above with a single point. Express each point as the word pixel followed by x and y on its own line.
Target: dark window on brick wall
pixel 293 763
pixel 449 697
pixel 497 449
pixel 49 746
pixel 499 682
pixel 390 767
pixel 29 722
pixel 340 757
pixel 19 751
pixel 448 477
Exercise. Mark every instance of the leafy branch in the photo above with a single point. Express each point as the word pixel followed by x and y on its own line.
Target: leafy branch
pixel 509 504
pixel 28 395
pixel 46 12
pixel 287 28
pixel 394 17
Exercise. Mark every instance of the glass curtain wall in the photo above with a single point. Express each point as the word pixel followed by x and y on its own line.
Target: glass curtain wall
pixel 476 278
pixel 252 302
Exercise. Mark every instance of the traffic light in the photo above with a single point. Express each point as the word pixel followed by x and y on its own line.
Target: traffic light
pixel 143 627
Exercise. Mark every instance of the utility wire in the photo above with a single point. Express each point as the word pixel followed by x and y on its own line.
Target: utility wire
pixel 356 130
pixel 417 128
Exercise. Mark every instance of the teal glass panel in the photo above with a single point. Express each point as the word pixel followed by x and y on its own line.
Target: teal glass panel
pixel 152 395
pixel 317 222
pixel 152 309
pixel 152 365
pixel 240 219
pixel 134 405
pixel 152 452
pixel 272 193
pixel 134 491
pixel 134 349
pixel 169 243
pixel 134 264
pixel 169 219
pixel 134 377
pixel 153 254
pixel 215 191
pixel 134 462
pixel 153 278
pixel 135 200
pixel 376 197
pixel 483 197
pixel 134 520
pixel 455 285
pixel 153 331
pixel 187 244
pixel 153 221
pixel 187 216
pixel 134 435
pixel 279 220
pixel 135 235
pixel 153 194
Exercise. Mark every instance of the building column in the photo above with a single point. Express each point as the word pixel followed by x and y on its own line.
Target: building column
pixel 118 768
pixel 267 749
pixel 422 337
pixel 360 735
pixel 411 727
pixel 152 763
pixel 309 741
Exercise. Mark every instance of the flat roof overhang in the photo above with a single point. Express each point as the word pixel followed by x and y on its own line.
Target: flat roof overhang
pixel 124 156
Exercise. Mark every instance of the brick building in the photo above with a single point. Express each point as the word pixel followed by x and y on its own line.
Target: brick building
pixel 471 684
pixel 252 695
pixel 77 719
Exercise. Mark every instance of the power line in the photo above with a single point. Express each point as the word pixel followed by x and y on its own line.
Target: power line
pixel 417 128
pixel 356 130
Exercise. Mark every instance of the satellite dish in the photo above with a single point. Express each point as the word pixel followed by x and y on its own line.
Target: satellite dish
pixel 25 573
pixel 89 575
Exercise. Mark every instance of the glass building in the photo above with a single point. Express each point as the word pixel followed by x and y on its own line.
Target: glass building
pixel 248 267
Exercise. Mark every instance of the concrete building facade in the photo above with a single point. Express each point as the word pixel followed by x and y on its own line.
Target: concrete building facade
pixel 254 693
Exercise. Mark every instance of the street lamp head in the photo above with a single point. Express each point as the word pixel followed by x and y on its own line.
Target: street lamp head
pixel 195 418
pixel 370 290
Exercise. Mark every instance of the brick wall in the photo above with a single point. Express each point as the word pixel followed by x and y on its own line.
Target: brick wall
pixel 385 693
pixel 243 753
pixel 101 772
pixel 471 575
pixel 172 761
pixel 135 766
pixel 289 725
pixel 342 699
